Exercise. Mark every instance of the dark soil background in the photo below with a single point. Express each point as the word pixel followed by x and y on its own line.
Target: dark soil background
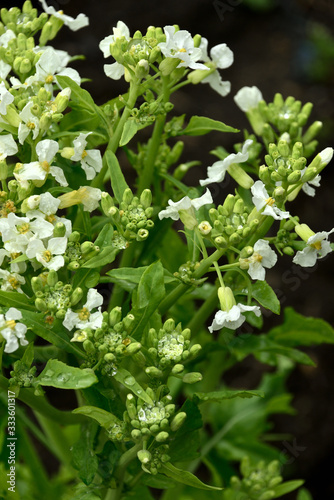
pixel 274 50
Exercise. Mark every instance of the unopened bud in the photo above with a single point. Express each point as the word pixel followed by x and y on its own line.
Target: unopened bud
pixel 178 421
pixel 144 456
pixel 304 231
pixel 192 378
pixel 76 296
pixel 162 437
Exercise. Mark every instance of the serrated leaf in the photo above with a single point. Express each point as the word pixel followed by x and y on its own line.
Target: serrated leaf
pixel 129 130
pixel 16 299
pixel 185 477
pixel 201 125
pixel 125 378
pixel 118 182
pixel 83 457
pixel 301 330
pixel 103 417
pixel 266 296
pixel 60 375
pixel 57 335
pixel 219 396
pixel 150 292
pixel 283 489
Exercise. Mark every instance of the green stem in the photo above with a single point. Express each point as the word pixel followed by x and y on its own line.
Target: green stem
pixel 126 458
pixel 203 313
pixel 114 141
pixel 118 292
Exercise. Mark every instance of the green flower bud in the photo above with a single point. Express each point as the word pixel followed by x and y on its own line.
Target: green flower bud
pixel 127 196
pixel 235 238
pixel 40 305
pixel 168 65
pixel 36 284
pixel 154 54
pixel 115 316
pixel 52 278
pixel 304 232
pixel 192 378
pixel 59 230
pixel 142 69
pixel 177 369
pixel 62 99
pixel 154 372
pixel 162 437
pixel 75 236
pixel 194 350
pixel 131 406
pixel 142 234
pixel 240 176
pixel 106 203
pixel 3 170
pixel 86 247
pixel 88 346
pixel 25 66
pixel 73 266
pixel 27 7
pixel 76 296
pixel 226 298
pixel 169 325
pixel 45 121
pixel 146 198
pixel 133 348
pixel 294 177
pixel 312 132
pixel 46 33
pixel 178 421
pixel 279 193
pixel 229 203
pixel 144 456
pixel 186 333
pixel 220 242
pixel 60 314
pixel 136 434
pixel 283 148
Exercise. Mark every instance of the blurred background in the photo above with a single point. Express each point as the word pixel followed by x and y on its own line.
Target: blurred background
pixel 282 46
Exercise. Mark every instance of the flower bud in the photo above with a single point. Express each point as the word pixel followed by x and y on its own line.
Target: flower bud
pixel 304 232
pixel 226 298
pixel 45 35
pixel 294 177
pixel 106 202
pixel 142 69
pixel 62 99
pixel 205 228
pixel 168 65
pixel 52 278
pixel 25 66
pixel 177 369
pixel 36 284
pixel 127 196
pixel 312 132
pixel 192 378
pixel 146 198
pixel 240 176
pixel 220 242
pixel 279 193
pixel 76 296
pixel 144 456
pixel 178 421
pixel 162 437
pixel 59 230
pixel 88 346
pixel 115 316
pixel 133 348
pixel 40 305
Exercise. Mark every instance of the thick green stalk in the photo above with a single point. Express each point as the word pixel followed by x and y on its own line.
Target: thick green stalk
pixel 126 458
pixel 203 313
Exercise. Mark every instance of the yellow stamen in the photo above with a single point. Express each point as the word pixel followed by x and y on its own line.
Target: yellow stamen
pixel 316 245
pixel 23 228
pixel 45 165
pixel 84 314
pixel 84 154
pixel 49 79
pixel 182 50
pixel 10 324
pixel 47 255
pixel 270 201
pixel 31 125
pixel 14 283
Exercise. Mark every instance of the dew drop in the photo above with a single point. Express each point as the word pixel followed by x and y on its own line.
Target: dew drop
pixel 129 380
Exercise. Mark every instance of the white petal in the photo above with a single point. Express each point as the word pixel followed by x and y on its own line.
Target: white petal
pixel 114 71
pixel 256 271
pixel 57 246
pixel 58 174
pixel 205 199
pixel 46 150
pixel 48 204
pixel 71 319
pixel 222 56
pixel 13 313
pixel 104 45
pixel 306 257
pixel 248 98
pixel 94 299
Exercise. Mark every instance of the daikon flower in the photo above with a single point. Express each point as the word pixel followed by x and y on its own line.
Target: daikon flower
pixel 185 209
pixel 262 199
pixel 12 331
pixel 51 256
pixel 180 45
pixel 73 23
pixel 85 318
pixel 263 257
pixel 248 98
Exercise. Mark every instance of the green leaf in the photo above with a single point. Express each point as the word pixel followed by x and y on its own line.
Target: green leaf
pixel 129 277
pixel 103 417
pixel 58 374
pixel 83 457
pixel 304 494
pixel 105 236
pixel 185 477
pixel 118 182
pixel 16 299
pixel 125 378
pixel 266 296
pixel 219 396
pixel 106 256
pixel 129 130
pixel 189 431
pixel 201 125
pixel 82 276
pixel 283 489
pixel 150 292
pixel 300 330
pixel 28 356
pixel 57 335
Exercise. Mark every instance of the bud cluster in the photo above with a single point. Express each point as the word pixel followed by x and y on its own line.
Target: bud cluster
pixel 52 296
pixel 133 217
pixel 22 375
pixel 25 22
pixel 259 480
pixel 166 157
pixel 168 350
pixel 109 345
pixel 186 271
pixel 231 222
pixel 77 253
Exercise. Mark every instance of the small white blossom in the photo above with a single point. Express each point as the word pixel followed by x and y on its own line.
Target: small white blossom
pixel 47 206
pixel 6 37
pixel 88 196
pixel 217 171
pixel 50 257
pixel 39 170
pixel 248 98
pixel 4 69
pixel 11 331
pixel 317 246
pixel 307 186
pixel 114 70
pixel 262 199
pixel 221 56
pixel 6 98
pixel 29 123
pixel 326 155
pixel 262 257
pixel 73 23
pixel 8 146
pixel 16 232
pixel 180 45
pixel 85 318
pixel 91 160
pixel 185 209
pixel 11 281
pixel 233 318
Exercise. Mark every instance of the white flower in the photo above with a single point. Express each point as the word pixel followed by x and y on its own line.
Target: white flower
pixel 47 207
pixel 221 56
pixel 88 196
pixel 12 331
pixel 85 318
pixel 6 38
pixel 29 123
pixel 326 155
pixel 4 69
pixel 262 257
pixel 39 170
pixel 115 70
pixel 262 199
pixel 50 257
pixel 185 209
pixel 49 66
pixel 180 45
pixel 248 98
pixel 233 318
pixel 307 186
pixel 8 146
pixel 6 98
pixel 217 171
pixel 91 160
pixel 317 246
pixel 74 24
pixel 11 281
pixel 16 232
